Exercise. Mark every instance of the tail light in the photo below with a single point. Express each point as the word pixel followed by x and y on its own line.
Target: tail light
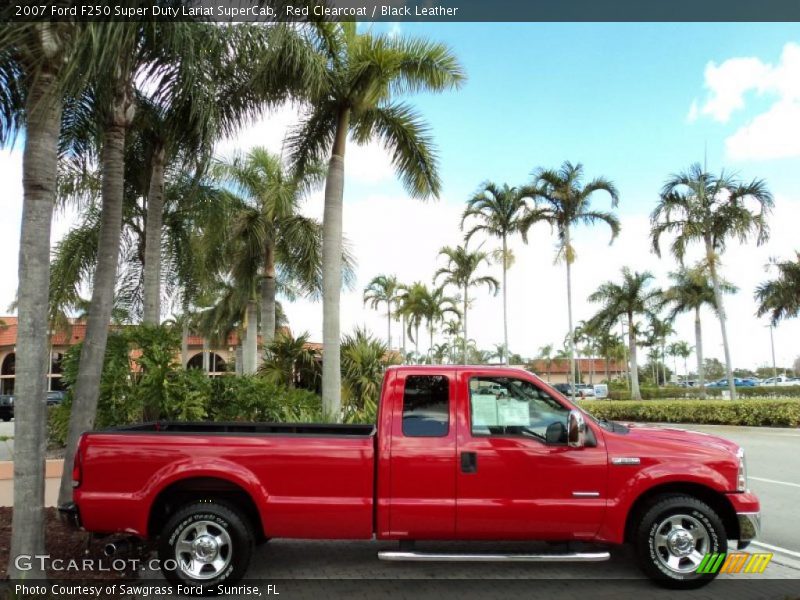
pixel 77 464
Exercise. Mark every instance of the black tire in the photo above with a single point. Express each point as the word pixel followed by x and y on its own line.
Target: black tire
pixel 220 521
pixel 683 524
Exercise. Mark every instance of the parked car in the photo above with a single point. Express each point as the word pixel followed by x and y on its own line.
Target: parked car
pixel 444 462
pixel 584 390
pixel 56 397
pixel 737 382
pixel 781 380
pixel 6 407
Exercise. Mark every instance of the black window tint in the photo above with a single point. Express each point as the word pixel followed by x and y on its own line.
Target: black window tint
pixel 426 406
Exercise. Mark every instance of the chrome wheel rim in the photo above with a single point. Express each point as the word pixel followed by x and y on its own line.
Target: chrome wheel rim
pixel 680 543
pixel 203 550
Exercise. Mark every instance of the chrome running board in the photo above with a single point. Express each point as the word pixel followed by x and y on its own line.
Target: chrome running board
pixel 393 555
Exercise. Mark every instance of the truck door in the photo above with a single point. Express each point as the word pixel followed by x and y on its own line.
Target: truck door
pixel 517 478
pixel 422 494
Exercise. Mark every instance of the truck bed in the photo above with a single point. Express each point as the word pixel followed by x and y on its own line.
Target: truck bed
pixel 229 428
pixel 306 480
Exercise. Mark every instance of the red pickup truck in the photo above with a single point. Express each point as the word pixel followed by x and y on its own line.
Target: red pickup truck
pixel 458 453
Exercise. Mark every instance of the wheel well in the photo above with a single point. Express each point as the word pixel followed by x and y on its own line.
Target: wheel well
pixel 193 489
pixel 716 500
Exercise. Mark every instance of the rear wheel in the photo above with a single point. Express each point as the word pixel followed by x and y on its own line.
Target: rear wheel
pixel 672 538
pixel 205 543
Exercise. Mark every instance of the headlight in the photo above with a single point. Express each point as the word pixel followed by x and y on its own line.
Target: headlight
pixel 741 478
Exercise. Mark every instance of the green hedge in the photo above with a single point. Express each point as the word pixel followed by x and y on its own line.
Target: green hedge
pixel 773 413
pixel 660 393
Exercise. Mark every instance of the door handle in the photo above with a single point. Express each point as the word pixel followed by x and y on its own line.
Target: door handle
pixel 469 462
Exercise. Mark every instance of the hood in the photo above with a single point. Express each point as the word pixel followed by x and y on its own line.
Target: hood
pixel 682 436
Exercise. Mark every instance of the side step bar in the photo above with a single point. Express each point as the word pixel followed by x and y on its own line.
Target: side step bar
pixel 393 555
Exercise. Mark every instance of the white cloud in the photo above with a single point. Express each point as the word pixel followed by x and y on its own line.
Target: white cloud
pixel 770 134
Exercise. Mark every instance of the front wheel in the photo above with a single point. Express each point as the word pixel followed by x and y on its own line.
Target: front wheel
pixel 204 544
pixel 673 537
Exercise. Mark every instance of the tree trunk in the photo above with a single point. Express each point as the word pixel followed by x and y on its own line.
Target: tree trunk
pixel 635 393
pixel 464 343
pixel 712 262
pixel 87 384
pixel 152 240
pixel 389 325
pixel 571 341
pixel 239 359
pixel 430 347
pixel 698 351
pixel 39 166
pixel 206 356
pixel 268 298
pixel 505 304
pixel 250 361
pixel 184 342
pixel 332 272
pixel 403 327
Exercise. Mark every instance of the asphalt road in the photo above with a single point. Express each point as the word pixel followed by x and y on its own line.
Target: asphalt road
pixel 773 465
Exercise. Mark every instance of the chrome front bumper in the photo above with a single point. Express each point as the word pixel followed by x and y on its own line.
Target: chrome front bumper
pixel 749 526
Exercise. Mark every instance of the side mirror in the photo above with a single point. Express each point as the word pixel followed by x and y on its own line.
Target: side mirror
pixel 576 429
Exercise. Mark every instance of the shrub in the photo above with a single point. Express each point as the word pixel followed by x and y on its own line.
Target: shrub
pixel 775 413
pixel 254 398
pixel 654 393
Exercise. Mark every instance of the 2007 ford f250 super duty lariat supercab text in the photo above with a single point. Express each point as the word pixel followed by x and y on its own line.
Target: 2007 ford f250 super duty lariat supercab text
pixel 449 459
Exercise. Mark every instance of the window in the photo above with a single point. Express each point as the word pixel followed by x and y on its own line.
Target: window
pixel 505 406
pixel 426 406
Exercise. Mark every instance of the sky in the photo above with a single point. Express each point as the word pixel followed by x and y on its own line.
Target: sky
pixel 631 102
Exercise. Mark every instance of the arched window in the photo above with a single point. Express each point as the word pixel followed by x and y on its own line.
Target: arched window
pixel 216 364
pixel 9 366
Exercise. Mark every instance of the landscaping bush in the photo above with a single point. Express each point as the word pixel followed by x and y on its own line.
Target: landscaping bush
pixel 255 398
pixel 775 413
pixel 662 393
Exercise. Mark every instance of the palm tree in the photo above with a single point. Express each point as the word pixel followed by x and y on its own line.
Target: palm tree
pixel 611 347
pixel 696 206
pixel 545 353
pixel 411 305
pixel 439 353
pixel 689 292
pixel 497 210
pixel 38 70
pixel 660 330
pixel 364 360
pixel 564 201
pixel 678 350
pixel 435 306
pixel 625 300
pixel 361 76
pixel 383 288
pixel 289 360
pixel 780 297
pixel 452 329
pixel 269 237
pixel 461 272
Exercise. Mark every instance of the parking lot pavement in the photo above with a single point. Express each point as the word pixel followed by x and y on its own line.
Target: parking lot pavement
pixel 6 445
pixel 773 466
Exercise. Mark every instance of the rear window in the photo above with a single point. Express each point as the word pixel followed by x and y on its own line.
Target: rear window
pixel 426 406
